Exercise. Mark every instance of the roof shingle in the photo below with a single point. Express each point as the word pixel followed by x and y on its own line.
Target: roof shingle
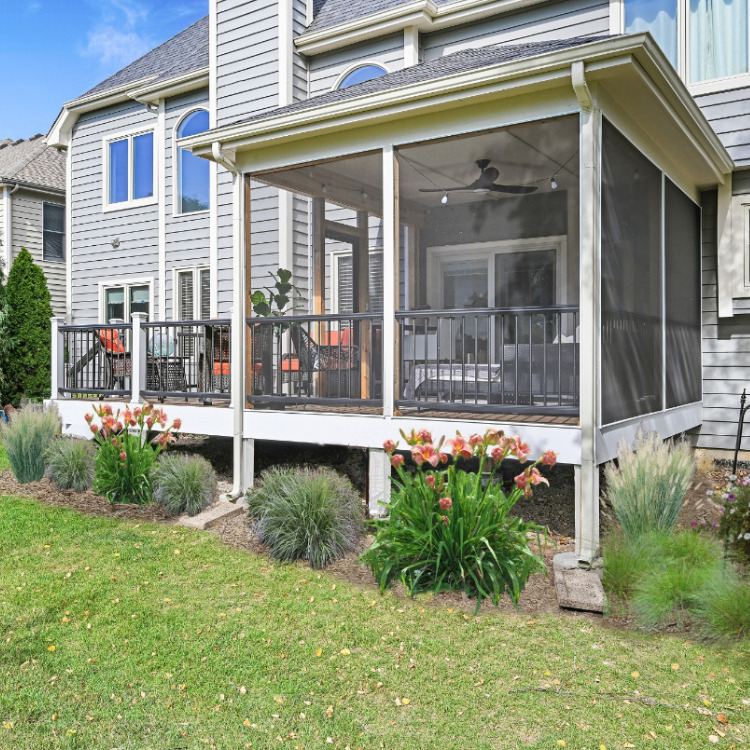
pixel 32 162
pixel 327 13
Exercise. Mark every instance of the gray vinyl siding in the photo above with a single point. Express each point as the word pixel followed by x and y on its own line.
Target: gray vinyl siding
pixel 187 235
pixel 562 20
pixel 726 350
pixel 27 230
pixel 729 115
pixel 246 58
pixel 741 179
pixel 301 250
pixel 264 234
pixel 94 259
pixel 225 240
pixel 299 18
pixel 326 69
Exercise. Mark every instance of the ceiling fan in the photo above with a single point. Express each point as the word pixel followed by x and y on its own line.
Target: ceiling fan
pixel 484 184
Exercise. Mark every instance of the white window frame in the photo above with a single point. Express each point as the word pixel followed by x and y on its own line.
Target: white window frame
pixel 176 196
pixel 739 218
pixel 196 271
pixel 126 284
pixel 714 85
pixel 45 259
pixel 359 64
pixel 129 135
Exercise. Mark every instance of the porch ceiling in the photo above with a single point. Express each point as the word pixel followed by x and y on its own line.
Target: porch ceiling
pixel 628 76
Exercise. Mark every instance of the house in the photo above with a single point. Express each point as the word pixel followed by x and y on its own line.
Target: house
pixel 530 215
pixel 32 210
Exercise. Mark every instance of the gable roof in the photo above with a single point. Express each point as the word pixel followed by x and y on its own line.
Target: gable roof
pixel 32 162
pixel 183 53
pixel 458 62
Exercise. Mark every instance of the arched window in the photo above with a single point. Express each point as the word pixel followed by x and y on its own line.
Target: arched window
pixel 361 74
pixel 193 173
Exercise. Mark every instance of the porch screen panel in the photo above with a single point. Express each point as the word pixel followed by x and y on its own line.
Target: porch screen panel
pixel 631 373
pixel 682 297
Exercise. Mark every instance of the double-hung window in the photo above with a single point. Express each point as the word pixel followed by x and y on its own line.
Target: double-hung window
pixel 53 232
pixel 704 39
pixel 120 301
pixel 193 294
pixel 130 170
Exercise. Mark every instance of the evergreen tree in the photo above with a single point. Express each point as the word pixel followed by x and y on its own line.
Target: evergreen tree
pixel 26 332
pixel 2 327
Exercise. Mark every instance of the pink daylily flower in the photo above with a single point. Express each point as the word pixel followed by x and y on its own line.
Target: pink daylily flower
pixel 428 453
pixel 445 503
pixel 389 446
pixel 537 478
pixel 460 447
pixel 397 459
pixel 549 458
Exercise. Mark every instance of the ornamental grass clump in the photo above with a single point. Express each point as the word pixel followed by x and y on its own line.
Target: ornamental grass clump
pixel 647 486
pixel 124 459
pixel 723 610
pixel 70 463
pixel 451 529
pixel 30 430
pixel 183 484
pixel 306 514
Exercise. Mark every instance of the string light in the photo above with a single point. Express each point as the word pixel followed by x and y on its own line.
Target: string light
pixel 553 183
pixel 444 199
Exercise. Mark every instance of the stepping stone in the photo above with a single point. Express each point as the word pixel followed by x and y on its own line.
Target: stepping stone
pixel 212 515
pixel 576 587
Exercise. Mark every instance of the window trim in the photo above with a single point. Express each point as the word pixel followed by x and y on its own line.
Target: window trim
pixel 45 259
pixel 176 198
pixel 359 64
pixel 129 135
pixel 710 86
pixel 126 284
pixel 196 271
pixel 739 217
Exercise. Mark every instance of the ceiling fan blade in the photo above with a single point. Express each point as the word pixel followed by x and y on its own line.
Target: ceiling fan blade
pixel 516 189
pixel 444 190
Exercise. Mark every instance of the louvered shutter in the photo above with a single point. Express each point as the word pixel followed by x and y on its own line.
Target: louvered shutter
pixel 185 298
pixel 205 299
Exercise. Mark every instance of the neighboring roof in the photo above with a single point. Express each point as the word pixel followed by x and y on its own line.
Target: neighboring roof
pixel 327 13
pixel 458 62
pixel 32 162
pixel 183 53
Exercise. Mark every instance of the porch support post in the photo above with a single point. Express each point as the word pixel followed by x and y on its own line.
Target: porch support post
pixel 390 249
pixel 587 473
pixel 378 481
pixel 240 248
pixel 57 356
pixel 138 359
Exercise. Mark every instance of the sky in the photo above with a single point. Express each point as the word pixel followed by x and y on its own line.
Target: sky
pixel 53 51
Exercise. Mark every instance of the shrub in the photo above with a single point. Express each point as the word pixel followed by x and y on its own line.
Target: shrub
pixel 70 464
pixel 306 514
pixel 183 484
pixel 30 431
pixel 449 530
pixel 26 355
pixel 625 563
pixel 681 564
pixel 735 519
pixel 723 609
pixel 648 484
pixel 124 459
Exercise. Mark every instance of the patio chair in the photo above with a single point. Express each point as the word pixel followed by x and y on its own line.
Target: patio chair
pixel 165 368
pixel 340 365
pixel 118 364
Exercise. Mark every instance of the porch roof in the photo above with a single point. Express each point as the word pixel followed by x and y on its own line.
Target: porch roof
pixel 628 73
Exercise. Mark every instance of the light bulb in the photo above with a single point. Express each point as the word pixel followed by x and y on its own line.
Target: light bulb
pixel 444 199
pixel 553 184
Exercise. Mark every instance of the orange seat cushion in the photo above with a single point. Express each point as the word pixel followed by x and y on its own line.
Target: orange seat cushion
pixel 222 368
pixel 111 341
pixel 290 364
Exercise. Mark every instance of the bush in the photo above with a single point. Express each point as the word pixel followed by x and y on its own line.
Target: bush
pixel 306 514
pixel 648 484
pixel 449 530
pixel 30 431
pixel 681 563
pixel 26 355
pixel 124 460
pixel 70 464
pixel 183 484
pixel 735 519
pixel 723 610
pixel 625 563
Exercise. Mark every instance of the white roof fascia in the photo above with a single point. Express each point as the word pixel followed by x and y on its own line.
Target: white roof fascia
pixel 421 14
pixel 152 93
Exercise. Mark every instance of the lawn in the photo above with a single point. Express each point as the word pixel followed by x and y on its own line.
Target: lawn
pixel 128 635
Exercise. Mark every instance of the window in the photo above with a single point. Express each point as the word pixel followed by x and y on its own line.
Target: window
pixel 193 294
pixel 193 181
pixel 54 232
pixel 704 39
pixel 361 74
pixel 122 300
pixel 130 167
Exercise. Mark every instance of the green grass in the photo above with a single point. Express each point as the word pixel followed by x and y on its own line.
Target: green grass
pixel 215 647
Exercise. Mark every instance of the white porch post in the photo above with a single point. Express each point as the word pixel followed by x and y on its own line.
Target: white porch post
pixel 587 473
pixel 138 359
pixel 389 274
pixel 57 357
pixel 378 481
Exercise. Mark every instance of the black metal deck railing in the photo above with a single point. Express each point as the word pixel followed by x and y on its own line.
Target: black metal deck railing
pixel 96 360
pixel 517 360
pixel 188 359
pixel 315 359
